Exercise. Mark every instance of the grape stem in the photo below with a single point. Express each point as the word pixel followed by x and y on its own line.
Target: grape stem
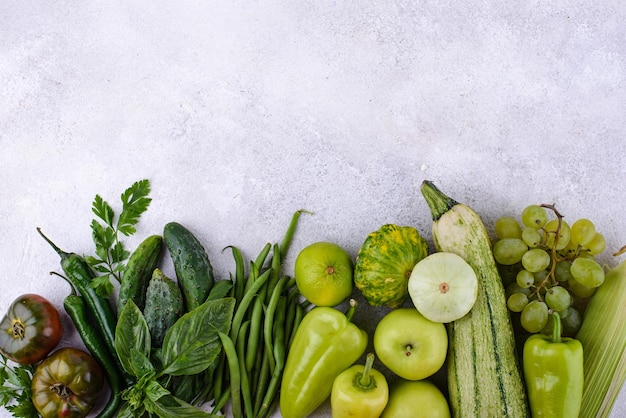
pixel 551 276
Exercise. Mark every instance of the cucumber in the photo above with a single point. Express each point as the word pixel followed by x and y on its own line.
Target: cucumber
pixel 139 268
pixel 191 264
pixel 484 375
pixel 164 305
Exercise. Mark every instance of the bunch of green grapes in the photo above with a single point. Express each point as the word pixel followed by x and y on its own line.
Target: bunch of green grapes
pixel 550 266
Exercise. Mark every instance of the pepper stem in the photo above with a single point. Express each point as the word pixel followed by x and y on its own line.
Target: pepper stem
pixel 59 251
pixel 556 329
pixel 351 310
pixel 365 379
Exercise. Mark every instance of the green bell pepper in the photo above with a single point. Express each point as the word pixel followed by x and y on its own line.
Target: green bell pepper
pixel 325 344
pixel 359 391
pixel 553 370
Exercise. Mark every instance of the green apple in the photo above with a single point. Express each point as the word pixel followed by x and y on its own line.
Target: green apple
pixel 410 345
pixel 416 399
pixel 324 273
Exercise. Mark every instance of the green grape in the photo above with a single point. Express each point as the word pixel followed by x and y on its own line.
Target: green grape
pixel 570 250
pixel 582 232
pixel 534 316
pixel 564 234
pixel 579 289
pixel 534 216
pixel 525 279
pixel 564 312
pixel 597 244
pixel 517 302
pixel 558 298
pixel 507 227
pixel 535 260
pixel 509 251
pixel 508 273
pixel 540 277
pixel 562 271
pixel 572 322
pixel 515 288
pixel 587 272
pixel 547 330
pixel 531 237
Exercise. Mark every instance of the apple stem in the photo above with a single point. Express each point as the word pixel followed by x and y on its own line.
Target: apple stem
pixel 351 310
pixel 408 349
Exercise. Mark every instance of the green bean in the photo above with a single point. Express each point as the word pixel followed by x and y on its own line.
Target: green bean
pixel 278 354
pixel 218 377
pixel 262 382
pixel 291 283
pixel 245 382
pixel 221 401
pixel 290 315
pixel 239 272
pixel 268 325
pixel 253 275
pixel 235 374
pixel 296 323
pixel 286 242
pixel 276 267
pixel 260 260
pixel 256 325
pixel 241 310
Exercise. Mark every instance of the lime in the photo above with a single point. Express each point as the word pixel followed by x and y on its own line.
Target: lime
pixel 324 273
pixel 443 287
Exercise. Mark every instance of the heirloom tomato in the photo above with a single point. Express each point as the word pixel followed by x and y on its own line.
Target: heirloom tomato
pixel 67 384
pixel 30 329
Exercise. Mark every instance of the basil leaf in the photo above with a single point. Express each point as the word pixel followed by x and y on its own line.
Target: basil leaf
pixel 125 411
pixel 192 343
pixel 140 363
pixel 171 407
pixel 220 289
pixel 131 332
pixel 154 391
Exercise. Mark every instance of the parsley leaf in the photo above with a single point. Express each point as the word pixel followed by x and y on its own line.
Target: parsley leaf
pixel 110 254
pixel 15 392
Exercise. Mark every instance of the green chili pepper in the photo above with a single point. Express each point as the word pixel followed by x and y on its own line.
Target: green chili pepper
pixel 553 369
pixel 325 344
pixel 359 391
pixel 76 308
pixel 80 275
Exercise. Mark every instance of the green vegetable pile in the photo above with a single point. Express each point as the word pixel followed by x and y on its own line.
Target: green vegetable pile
pixel 196 345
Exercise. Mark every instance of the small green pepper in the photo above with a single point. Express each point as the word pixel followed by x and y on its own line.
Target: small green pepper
pixel 359 391
pixel 553 369
pixel 325 344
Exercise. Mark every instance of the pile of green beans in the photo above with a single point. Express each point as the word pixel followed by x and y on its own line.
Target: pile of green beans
pixel 268 311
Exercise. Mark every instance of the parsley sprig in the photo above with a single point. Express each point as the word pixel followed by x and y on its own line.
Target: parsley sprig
pixel 15 392
pixel 110 257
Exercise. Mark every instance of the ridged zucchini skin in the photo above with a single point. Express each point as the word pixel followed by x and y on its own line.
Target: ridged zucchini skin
pixel 484 375
pixel 164 305
pixel 141 264
pixel 193 268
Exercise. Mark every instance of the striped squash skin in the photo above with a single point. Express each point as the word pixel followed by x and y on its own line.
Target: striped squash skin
pixel 385 262
pixel 484 376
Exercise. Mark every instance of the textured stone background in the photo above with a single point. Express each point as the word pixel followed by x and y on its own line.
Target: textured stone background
pixel 242 112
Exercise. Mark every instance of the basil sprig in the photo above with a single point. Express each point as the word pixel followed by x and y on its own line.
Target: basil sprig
pixel 191 346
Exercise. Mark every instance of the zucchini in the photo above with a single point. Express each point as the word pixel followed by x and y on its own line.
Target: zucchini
pixel 191 264
pixel 164 305
pixel 484 374
pixel 139 268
